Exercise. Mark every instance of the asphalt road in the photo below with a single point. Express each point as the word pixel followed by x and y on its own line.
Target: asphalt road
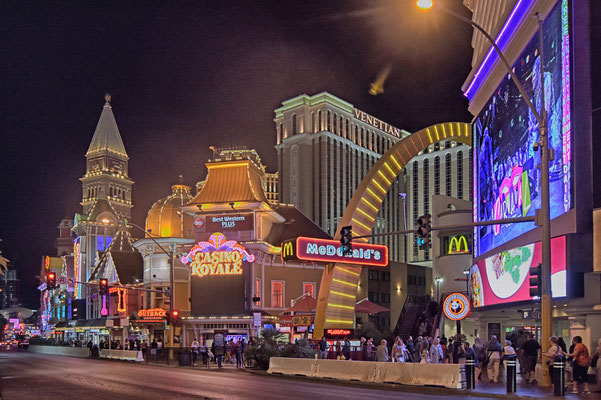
pixel 39 376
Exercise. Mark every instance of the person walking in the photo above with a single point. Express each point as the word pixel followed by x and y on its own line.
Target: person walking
pixel 219 351
pixel 596 364
pixel 323 348
pixel 424 354
pixel 410 349
pixel 363 345
pixel 554 351
pixel 581 363
pixel 382 352
pixel 371 350
pixel 195 348
pixel 436 354
pixel 530 350
pixel 398 350
pixel 480 355
pixel 493 349
pixel 346 349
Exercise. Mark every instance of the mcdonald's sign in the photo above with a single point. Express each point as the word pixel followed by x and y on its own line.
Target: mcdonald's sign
pixel 458 245
pixel 313 249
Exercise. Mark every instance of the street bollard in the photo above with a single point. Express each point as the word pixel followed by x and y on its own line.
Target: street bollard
pixel 559 367
pixel 470 372
pixel 510 362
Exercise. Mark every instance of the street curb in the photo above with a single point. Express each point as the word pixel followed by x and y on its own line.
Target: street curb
pixel 433 390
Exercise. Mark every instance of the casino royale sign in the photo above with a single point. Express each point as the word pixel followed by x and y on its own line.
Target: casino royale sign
pixel 312 249
pixel 218 256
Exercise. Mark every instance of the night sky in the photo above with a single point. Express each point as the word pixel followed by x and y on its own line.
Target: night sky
pixel 187 75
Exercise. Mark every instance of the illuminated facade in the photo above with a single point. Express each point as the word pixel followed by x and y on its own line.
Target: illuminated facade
pixel 506 178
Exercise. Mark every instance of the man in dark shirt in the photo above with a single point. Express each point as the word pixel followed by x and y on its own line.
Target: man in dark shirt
pixel 530 352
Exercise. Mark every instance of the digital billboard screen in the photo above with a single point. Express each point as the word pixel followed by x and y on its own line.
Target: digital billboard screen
pixel 506 173
pixel 503 278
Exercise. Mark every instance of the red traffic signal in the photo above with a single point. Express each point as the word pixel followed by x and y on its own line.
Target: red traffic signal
pixel 51 280
pixel 173 317
pixel 103 286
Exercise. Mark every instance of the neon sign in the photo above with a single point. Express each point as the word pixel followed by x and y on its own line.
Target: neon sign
pixel 218 256
pixel 456 306
pixel 313 249
pixel 76 261
pixel 458 245
pixel 152 315
pixel 338 332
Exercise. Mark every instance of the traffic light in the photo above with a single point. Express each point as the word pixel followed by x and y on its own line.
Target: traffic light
pixel 173 318
pixel 103 286
pixel 51 280
pixel 346 237
pixel 423 232
pixel 535 281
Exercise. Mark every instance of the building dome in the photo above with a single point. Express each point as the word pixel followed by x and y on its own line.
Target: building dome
pixel 165 218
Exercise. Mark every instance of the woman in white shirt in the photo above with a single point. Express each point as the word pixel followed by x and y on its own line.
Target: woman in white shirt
pixel 398 350
pixel 424 353
pixel 436 352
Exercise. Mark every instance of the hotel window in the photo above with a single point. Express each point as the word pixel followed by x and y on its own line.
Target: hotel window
pixel 309 287
pixel 347 132
pixel 258 291
pixel 329 121
pixel 319 125
pixel 373 275
pixel 460 175
pixel 447 161
pixel 277 294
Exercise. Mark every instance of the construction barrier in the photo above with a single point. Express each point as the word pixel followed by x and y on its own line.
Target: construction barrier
pixel 364 371
pixel 447 375
pixel 292 366
pixel 129 355
pixel 60 350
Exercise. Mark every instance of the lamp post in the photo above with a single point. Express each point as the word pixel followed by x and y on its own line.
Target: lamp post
pixel 171 254
pixel 543 215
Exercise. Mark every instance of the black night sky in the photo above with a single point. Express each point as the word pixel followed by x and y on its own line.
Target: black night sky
pixel 185 75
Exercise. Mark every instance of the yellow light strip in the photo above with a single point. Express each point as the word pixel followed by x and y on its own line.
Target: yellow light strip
pixel 362 224
pixel 340 321
pixel 369 204
pixel 467 130
pixel 384 177
pixel 395 161
pixel 374 194
pixel 366 214
pixel 227 165
pixel 429 135
pixel 350 296
pixel 390 169
pixel 341 306
pixel 375 182
pixel 352 272
pixel 458 129
pixel 344 282
pixel 444 131
pixel 436 132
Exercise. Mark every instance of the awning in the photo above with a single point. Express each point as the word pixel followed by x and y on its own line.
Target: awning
pixel 306 305
pixel 369 307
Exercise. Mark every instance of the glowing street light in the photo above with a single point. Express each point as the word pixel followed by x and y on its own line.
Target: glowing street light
pixel 425 4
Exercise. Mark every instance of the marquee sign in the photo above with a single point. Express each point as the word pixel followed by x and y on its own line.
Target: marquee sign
pixel 229 222
pixel 313 249
pixel 456 306
pixel 152 315
pixel 338 332
pixel 218 256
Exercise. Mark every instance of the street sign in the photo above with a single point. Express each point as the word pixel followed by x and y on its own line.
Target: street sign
pixel 257 319
pixel 313 249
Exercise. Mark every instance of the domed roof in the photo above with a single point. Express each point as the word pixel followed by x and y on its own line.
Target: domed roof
pixel 165 218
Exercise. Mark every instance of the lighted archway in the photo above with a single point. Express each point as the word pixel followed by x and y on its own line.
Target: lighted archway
pixel 339 282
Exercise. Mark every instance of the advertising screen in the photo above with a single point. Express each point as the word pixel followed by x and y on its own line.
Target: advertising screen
pixel 503 278
pixel 506 173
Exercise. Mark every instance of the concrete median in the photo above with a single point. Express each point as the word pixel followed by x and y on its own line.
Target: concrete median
pixel 128 355
pixel 60 350
pixel 292 366
pixel 447 375
pixel 364 371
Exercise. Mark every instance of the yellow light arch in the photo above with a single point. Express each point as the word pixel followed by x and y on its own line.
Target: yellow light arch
pixel 339 282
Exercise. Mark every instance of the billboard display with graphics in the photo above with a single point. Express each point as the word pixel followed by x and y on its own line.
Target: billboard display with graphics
pixel 312 249
pixel 506 160
pixel 503 278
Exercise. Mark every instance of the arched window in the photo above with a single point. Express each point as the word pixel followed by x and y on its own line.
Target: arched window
pixel 312 122
pixel 460 174
pixel 448 183
pixel 319 122
pixel 294 124
pixel 336 124
pixel 329 122
pixel 347 132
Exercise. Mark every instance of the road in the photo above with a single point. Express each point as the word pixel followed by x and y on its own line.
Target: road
pixel 39 376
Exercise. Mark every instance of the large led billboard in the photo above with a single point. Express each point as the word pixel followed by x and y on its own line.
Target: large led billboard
pixel 506 173
pixel 503 278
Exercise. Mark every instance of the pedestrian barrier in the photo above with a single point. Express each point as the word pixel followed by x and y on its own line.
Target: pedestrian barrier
pixel 364 371
pixel 129 355
pixel 60 350
pixel 447 375
pixel 292 366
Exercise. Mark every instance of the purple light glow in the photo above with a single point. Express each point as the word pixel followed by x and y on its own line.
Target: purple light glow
pixel 518 13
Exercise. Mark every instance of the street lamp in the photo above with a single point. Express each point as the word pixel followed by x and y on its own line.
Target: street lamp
pixel 543 216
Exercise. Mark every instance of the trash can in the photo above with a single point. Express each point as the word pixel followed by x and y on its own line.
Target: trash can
pixel 185 358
